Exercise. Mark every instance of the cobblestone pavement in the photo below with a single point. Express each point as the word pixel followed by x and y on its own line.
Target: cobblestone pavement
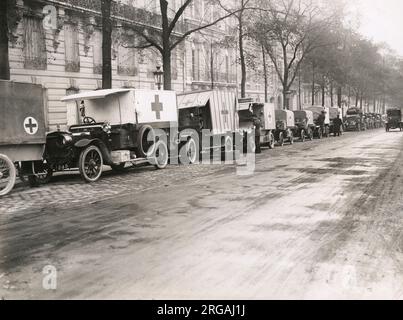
pixel 68 189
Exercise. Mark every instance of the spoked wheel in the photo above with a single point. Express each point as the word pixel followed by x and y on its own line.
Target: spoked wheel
pixel 302 135
pixel 8 175
pixel 310 134
pixel 161 156
pixel 90 164
pixel 191 151
pixel 271 140
pixel 281 139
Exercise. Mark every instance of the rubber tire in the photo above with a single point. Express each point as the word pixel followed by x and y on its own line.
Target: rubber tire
pixel 161 144
pixel 302 135
pixel 271 140
pixel 143 130
pixel 192 159
pixel 281 139
pixel 83 154
pixel 310 134
pixel 13 175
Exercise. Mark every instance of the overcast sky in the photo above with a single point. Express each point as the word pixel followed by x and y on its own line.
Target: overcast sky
pixel 381 20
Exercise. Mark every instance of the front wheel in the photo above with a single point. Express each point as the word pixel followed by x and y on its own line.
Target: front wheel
pixel 191 151
pixel 271 140
pixel 90 164
pixel 161 157
pixel 8 175
pixel 281 139
pixel 302 135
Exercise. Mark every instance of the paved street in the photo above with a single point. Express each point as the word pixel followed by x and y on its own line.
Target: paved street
pixel 320 219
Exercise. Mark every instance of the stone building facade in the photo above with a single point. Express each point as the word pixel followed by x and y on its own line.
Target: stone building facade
pixel 58 44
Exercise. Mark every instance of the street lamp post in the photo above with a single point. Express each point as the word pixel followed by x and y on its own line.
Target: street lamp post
pixel 158 76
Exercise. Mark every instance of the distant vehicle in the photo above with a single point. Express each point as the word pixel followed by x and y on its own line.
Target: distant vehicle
pixel 22 133
pixel 118 126
pixel 354 120
pixel 305 126
pixel 285 126
pixel 394 119
pixel 249 112
pixel 323 131
pixel 212 112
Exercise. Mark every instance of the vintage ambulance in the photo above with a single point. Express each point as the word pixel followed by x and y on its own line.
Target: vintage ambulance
pixel 212 115
pixel 22 133
pixel 250 112
pixel 305 127
pixel 118 126
pixel 285 126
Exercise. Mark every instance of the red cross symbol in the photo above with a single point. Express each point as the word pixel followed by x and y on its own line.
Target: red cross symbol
pixel 157 107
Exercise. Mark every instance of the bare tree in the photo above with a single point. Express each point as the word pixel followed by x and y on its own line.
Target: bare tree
pixel 172 32
pixel 286 29
pixel 106 44
pixel 4 60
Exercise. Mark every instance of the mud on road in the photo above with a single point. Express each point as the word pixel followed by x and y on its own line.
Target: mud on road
pixel 319 219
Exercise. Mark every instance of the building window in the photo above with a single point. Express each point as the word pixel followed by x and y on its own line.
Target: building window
pixel 174 64
pixel 97 52
pixel 72 49
pixel 195 64
pixel 34 44
pixel 127 61
pixel 152 63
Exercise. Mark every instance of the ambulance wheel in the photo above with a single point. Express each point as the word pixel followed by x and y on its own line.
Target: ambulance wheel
pixel 281 139
pixel 118 167
pixel 90 164
pixel 8 175
pixel 161 156
pixel 144 144
pixel 302 135
pixel 271 140
pixel 310 134
pixel 191 151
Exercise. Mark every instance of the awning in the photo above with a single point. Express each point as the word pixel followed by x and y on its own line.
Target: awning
pixel 192 100
pixel 97 94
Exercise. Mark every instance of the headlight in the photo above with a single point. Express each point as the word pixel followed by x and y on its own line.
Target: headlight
pixel 66 139
pixel 107 127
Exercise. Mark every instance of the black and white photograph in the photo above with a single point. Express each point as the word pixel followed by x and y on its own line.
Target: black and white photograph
pixel 201 150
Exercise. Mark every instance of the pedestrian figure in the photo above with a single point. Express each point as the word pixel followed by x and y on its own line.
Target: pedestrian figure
pixel 257 123
pixel 337 125
pixel 321 121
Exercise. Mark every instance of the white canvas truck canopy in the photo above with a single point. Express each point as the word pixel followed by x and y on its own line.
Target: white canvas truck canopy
pixel 223 106
pixel 119 106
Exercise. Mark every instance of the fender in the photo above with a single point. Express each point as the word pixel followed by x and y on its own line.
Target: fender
pixel 105 152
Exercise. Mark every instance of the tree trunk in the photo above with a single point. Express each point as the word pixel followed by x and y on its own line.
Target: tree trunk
pixel 299 90
pixel 286 104
pixel 4 60
pixel 331 95
pixel 323 95
pixel 166 62
pixel 266 97
pixel 106 44
pixel 313 84
pixel 212 65
pixel 242 57
pixel 339 94
pixel 357 98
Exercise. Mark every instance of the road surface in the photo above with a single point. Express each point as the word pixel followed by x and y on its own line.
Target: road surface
pixel 320 219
